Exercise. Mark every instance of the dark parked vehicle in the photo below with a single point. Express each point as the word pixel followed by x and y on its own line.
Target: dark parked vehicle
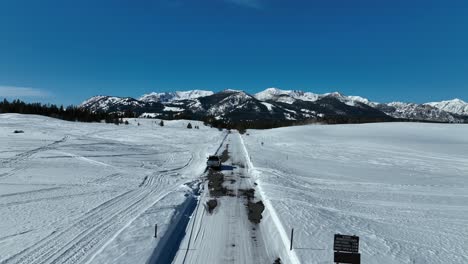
pixel 214 162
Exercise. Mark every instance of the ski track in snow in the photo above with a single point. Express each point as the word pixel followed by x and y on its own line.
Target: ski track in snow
pixel 102 193
pixel 29 153
pixel 92 229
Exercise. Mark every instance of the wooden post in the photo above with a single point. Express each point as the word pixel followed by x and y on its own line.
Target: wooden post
pixel 292 238
pixel 156 230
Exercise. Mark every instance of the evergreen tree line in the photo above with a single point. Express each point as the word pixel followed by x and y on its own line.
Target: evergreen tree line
pixel 70 113
pixel 243 125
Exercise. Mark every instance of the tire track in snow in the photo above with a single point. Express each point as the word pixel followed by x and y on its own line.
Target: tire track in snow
pixel 74 244
pixel 56 197
pixel 39 247
pixel 82 240
pixel 30 192
pixel 29 153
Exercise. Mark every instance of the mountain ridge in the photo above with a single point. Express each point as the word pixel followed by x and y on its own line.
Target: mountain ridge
pixel 276 104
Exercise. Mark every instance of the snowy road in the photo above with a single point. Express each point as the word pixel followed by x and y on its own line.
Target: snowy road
pixel 227 235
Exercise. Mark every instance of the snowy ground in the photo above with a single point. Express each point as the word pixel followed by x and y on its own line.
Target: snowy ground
pixel 92 193
pixel 77 192
pixel 401 187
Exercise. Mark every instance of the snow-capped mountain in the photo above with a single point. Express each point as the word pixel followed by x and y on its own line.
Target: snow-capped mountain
pixel 421 112
pixel 235 105
pixel 174 96
pixel 455 106
pixel 350 100
pixel 290 96
pixel 233 101
pixel 277 104
pixel 110 103
pixel 285 96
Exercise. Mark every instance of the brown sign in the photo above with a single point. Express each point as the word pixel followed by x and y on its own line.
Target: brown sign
pixel 346 243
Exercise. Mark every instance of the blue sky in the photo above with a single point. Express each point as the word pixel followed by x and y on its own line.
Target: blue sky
pixel 64 51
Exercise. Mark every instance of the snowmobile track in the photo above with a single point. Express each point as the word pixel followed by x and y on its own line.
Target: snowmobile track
pixel 74 244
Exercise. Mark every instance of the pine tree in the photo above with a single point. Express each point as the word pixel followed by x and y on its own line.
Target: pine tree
pixel 161 123
pixel 189 126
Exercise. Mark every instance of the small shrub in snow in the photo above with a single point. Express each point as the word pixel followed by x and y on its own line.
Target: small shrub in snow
pixel 212 205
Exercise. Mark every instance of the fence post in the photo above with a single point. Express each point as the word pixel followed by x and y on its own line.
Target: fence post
pixel 292 238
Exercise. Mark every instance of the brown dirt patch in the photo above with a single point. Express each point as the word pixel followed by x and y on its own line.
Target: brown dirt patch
pixel 255 211
pixel 215 184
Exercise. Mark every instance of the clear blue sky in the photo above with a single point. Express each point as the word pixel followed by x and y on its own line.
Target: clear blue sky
pixel 64 51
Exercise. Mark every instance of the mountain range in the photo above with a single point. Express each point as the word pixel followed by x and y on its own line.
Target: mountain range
pixel 276 105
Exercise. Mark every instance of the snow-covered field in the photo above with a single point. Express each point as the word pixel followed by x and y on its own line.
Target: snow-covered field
pixel 77 192
pixel 401 187
pixel 92 193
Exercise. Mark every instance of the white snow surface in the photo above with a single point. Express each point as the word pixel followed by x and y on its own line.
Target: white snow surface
pixel 268 106
pixel 173 109
pixel 401 187
pixel 90 192
pixel 148 115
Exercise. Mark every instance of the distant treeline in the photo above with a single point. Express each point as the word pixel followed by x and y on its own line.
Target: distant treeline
pixel 70 113
pixel 243 125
